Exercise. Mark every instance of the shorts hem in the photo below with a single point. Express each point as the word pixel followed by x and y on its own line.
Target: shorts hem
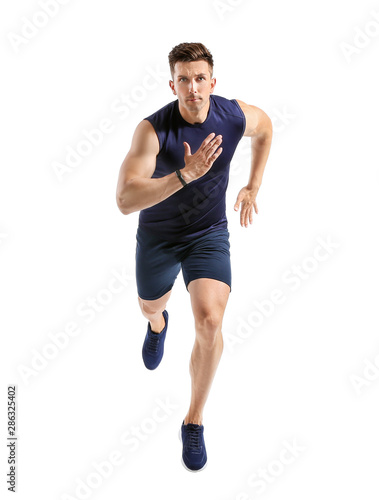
pixel 156 297
pixel 211 278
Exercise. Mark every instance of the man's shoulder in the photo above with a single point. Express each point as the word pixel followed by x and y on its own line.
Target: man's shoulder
pixel 227 106
pixel 220 99
pixel 163 111
pixel 162 121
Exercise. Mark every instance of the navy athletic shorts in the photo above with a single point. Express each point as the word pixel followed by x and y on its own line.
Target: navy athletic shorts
pixel 158 262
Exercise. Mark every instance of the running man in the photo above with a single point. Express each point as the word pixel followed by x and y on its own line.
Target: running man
pixel 176 174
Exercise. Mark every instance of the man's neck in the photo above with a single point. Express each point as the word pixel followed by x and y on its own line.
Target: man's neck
pixel 195 118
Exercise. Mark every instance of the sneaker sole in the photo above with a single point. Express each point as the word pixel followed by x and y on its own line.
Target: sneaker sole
pixel 184 465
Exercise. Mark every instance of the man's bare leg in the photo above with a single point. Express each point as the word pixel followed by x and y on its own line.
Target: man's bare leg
pixel 153 309
pixel 208 299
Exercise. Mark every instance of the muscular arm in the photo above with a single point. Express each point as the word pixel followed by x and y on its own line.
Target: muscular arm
pixel 136 189
pixel 259 128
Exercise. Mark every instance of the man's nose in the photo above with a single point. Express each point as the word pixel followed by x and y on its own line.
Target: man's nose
pixel 193 86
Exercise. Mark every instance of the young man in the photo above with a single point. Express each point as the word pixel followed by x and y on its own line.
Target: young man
pixel 176 174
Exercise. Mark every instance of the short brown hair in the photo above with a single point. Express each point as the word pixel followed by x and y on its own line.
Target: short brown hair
pixel 188 52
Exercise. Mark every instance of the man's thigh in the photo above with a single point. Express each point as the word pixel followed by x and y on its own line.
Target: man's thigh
pixel 209 298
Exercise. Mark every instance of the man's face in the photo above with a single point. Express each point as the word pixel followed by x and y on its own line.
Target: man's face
pixel 192 83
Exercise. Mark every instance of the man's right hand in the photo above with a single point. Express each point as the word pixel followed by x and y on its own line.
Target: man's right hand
pixel 198 164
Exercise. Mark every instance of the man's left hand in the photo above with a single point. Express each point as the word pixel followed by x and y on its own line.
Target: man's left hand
pixel 247 197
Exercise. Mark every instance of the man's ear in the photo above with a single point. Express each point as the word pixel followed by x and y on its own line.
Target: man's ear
pixel 213 84
pixel 171 83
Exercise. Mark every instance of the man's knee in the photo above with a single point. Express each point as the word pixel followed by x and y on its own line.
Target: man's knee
pixel 152 307
pixel 148 307
pixel 208 327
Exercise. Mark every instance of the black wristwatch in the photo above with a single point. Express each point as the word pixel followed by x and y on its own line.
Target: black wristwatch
pixel 179 174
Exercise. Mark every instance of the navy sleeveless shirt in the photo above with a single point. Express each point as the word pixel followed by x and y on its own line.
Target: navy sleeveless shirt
pixel 200 206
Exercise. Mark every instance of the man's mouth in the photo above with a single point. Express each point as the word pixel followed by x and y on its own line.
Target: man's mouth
pixel 194 99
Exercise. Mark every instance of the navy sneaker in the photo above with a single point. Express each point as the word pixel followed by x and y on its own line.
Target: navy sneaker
pixel 153 346
pixel 194 457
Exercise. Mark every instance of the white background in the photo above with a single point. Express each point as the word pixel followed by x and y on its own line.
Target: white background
pixel 287 380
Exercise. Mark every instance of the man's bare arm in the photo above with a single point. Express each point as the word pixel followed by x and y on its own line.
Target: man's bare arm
pixel 259 128
pixel 136 190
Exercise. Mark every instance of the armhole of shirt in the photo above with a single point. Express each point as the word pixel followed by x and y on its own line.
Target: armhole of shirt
pixel 242 116
pixel 159 134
